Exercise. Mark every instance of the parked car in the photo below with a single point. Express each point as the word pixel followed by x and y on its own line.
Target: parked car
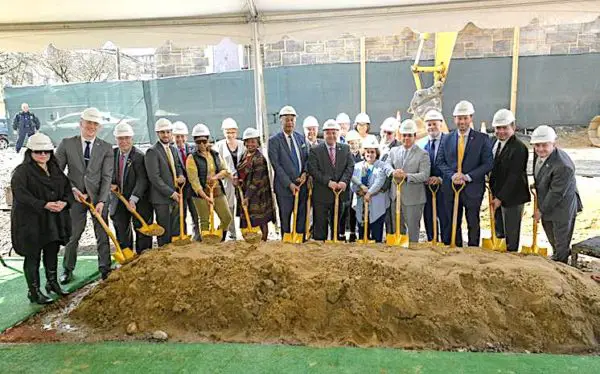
pixel 68 125
pixel 3 134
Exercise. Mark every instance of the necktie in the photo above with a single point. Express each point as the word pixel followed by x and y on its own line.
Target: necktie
pixel 182 152
pixel 86 153
pixel 332 155
pixel 121 170
pixel 461 152
pixel 293 154
pixel 171 164
pixel 498 150
pixel 432 151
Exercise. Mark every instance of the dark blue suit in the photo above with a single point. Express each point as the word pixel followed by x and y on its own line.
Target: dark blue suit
pixel 280 157
pixel 444 218
pixel 477 162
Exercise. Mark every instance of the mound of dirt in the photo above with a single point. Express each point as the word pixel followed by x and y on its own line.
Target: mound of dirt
pixel 322 294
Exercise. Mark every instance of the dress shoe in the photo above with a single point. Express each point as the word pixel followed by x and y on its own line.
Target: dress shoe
pixel 352 238
pixel 66 277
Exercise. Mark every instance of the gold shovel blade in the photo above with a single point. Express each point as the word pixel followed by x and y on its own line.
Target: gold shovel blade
pixel 398 240
pixel 253 235
pixel 153 229
pixel 212 237
pixel 494 244
pixel 181 240
pixel 292 238
pixel 124 256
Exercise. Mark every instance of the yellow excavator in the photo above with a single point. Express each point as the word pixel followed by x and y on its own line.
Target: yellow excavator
pixel 425 99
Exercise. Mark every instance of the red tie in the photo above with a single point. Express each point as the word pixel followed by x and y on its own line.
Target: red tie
pixel 332 155
pixel 182 155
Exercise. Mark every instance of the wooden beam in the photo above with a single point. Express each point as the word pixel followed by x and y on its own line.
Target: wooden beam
pixel 363 75
pixel 515 70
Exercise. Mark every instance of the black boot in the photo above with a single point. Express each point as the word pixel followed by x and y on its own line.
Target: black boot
pixel 32 275
pixel 52 283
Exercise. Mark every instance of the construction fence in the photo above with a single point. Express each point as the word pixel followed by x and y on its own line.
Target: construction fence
pixel 554 90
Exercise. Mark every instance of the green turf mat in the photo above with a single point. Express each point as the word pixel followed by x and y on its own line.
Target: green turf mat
pixel 14 305
pixel 113 357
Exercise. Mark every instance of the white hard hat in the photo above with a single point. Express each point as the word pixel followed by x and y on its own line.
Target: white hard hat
pixel 352 136
pixel 463 108
pixel 310 121
pixel 39 142
pixel 543 134
pixel 433 115
pixel 180 128
pixel 503 117
pixel 92 115
pixel 370 143
pixel 342 118
pixel 330 124
pixel 390 124
pixel 229 123
pixel 123 129
pixel 286 110
pixel 200 130
pixel 362 118
pixel 250 133
pixel 163 124
pixel 408 126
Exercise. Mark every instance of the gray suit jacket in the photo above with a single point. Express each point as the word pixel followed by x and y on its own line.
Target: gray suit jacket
pixel 558 198
pixel 159 173
pixel 93 180
pixel 418 168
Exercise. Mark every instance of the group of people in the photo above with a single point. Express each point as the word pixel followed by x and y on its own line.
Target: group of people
pixel 349 169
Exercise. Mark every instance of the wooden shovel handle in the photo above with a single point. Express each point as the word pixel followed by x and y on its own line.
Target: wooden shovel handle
pixel 99 218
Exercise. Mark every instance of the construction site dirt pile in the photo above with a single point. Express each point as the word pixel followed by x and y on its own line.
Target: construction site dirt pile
pixel 334 294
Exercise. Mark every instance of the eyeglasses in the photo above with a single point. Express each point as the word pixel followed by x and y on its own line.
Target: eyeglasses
pixel 201 141
pixel 42 152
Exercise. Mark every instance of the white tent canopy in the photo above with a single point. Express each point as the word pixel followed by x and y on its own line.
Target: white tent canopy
pixel 32 25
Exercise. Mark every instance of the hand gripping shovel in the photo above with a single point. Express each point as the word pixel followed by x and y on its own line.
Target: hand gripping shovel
pixel 294 237
pixel 308 207
pixel 397 238
pixel 336 217
pixel 153 229
pixel 434 188
pixel 365 239
pixel 534 249
pixel 182 238
pixel 493 243
pixel 455 214
pixel 250 234
pixel 122 256
pixel 213 235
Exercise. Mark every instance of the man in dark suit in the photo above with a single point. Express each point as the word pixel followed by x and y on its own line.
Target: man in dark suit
pixel 180 133
pixel 165 173
pixel 465 158
pixel 288 154
pixel 434 120
pixel 90 167
pixel 130 179
pixel 508 179
pixel 556 187
pixel 330 165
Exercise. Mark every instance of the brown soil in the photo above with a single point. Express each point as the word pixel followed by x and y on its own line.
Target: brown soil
pixel 28 334
pixel 322 294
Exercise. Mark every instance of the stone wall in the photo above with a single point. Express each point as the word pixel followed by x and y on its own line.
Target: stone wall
pixel 472 42
pixel 171 60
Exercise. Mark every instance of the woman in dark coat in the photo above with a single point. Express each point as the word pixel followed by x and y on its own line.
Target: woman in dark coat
pixel 253 178
pixel 40 219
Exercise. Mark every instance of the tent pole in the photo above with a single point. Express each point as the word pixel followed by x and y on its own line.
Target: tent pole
pixel 515 70
pixel 259 88
pixel 363 75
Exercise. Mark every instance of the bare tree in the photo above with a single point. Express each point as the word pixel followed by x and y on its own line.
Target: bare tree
pixel 13 67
